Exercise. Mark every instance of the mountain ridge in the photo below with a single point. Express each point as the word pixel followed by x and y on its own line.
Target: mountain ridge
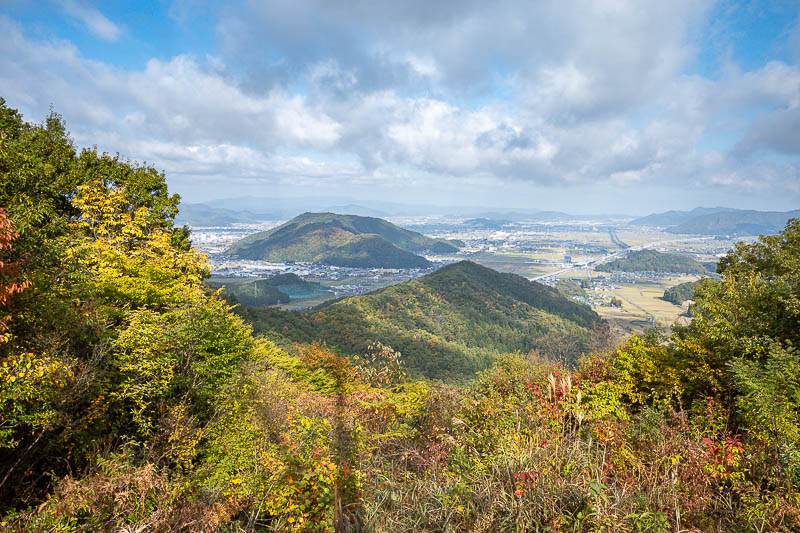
pixel 447 324
pixel 739 222
pixel 674 217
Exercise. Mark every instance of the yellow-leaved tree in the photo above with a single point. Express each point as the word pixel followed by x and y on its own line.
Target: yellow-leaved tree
pixel 127 258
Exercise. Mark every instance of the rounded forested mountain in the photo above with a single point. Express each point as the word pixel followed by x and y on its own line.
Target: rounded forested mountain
pixel 341 240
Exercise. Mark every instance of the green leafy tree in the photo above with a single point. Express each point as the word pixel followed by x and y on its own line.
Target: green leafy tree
pixel 756 305
pixel 769 402
pixel 117 338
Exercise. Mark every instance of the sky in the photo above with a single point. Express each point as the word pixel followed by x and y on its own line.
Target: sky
pixel 585 106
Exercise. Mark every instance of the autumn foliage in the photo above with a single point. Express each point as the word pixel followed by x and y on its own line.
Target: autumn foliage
pixel 9 270
pixel 133 398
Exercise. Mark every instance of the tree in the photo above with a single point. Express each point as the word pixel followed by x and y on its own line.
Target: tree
pixel 125 255
pixel 754 306
pixel 769 402
pixel 117 337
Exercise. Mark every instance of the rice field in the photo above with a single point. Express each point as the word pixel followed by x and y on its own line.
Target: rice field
pixel 641 302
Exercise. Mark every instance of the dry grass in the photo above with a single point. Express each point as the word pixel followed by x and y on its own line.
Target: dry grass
pixel 567 484
pixel 123 498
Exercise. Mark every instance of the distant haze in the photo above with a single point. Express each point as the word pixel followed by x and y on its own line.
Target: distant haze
pixel 584 106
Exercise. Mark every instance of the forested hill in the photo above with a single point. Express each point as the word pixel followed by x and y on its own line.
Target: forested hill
pixel 447 324
pixel 653 261
pixel 680 293
pixel 341 240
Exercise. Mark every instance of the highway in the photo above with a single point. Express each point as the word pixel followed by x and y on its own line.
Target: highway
pixel 615 239
pixel 611 257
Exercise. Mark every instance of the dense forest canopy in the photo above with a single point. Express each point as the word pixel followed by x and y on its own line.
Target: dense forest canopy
pixel 680 293
pixel 653 261
pixel 114 334
pixel 133 399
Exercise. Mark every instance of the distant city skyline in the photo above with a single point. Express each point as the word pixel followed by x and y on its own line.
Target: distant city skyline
pixel 585 106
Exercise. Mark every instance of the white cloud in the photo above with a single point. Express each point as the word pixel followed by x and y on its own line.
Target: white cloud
pixel 552 93
pixel 95 21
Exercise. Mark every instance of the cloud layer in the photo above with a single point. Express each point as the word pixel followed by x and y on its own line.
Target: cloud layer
pixel 555 94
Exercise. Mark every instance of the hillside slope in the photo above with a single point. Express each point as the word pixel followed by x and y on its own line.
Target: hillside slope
pixel 341 240
pixel 743 222
pixel 653 261
pixel 447 324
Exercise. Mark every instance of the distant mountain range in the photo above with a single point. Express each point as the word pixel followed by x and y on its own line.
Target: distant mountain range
pixel 701 220
pixel 247 211
pixel 719 221
pixel 256 209
pixel 558 216
pixel 286 207
pixel 739 222
pixel 360 210
pixel 341 240
pixel 447 324
pixel 671 218
pixel 205 215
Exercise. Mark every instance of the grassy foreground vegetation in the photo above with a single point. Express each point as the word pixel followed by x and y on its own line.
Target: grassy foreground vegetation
pixel 132 398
